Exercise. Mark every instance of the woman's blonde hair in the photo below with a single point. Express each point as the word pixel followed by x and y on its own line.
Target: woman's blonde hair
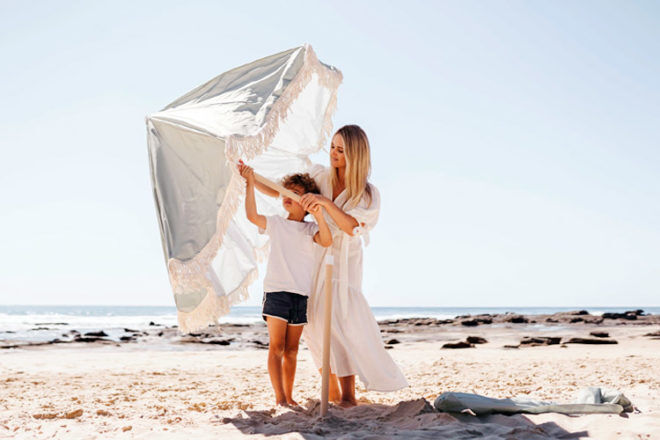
pixel 358 164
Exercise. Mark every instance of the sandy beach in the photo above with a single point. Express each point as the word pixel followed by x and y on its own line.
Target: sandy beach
pixel 209 390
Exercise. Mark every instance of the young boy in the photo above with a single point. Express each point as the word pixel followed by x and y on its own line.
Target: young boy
pixel 289 275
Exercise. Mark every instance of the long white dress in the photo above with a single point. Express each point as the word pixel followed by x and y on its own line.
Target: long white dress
pixel 356 347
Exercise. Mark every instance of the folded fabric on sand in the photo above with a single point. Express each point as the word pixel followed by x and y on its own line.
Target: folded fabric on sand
pixel 591 400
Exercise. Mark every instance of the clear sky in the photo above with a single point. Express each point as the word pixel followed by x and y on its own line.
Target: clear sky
pixel 516 144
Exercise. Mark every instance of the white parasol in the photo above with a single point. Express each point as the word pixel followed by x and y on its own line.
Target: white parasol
pixel 272 113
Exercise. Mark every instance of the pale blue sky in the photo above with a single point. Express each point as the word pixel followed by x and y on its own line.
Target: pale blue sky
pixel 515 144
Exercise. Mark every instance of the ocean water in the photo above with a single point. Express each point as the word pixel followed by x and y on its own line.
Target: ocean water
pixel 37 323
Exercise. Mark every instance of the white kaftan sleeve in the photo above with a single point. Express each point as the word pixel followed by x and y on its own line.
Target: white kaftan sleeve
pixel 366 213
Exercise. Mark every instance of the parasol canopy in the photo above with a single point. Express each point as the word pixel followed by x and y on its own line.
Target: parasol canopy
pixel 272 113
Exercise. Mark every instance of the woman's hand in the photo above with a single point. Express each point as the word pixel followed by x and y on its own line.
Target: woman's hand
pixel 307 201
pixel 316 210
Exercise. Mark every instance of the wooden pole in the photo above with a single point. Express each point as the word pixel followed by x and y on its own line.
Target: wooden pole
pixel 277 187
pixel 327 309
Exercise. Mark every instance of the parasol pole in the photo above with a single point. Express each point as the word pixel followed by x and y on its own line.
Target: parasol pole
pixel 273 185
pixel 327 309
pixel 277 187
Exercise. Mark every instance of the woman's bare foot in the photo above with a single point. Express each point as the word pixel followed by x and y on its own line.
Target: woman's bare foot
pixel 292 403
pixel 347 384
pixel 350 403
pixel 282 403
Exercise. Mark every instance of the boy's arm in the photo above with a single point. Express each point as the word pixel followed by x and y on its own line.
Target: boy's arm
pixel 266 189
pixel 260 186
pixel 323 236
pixel 250 203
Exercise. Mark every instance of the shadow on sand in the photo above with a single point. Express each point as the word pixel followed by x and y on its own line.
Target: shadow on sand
pixel 413 419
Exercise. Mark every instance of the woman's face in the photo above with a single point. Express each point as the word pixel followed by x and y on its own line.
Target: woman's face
pixel 337 158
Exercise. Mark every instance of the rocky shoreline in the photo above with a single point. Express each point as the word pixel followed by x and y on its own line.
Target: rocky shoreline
pixel 394 331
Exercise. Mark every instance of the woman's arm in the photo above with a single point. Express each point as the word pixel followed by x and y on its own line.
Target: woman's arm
pixel 250 203
pixel 323 236
pixel 344 221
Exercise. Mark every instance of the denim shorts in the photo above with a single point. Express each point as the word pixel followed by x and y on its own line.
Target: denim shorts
pixel 287 306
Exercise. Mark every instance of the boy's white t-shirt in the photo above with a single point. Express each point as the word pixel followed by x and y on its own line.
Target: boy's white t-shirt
pixel 291 259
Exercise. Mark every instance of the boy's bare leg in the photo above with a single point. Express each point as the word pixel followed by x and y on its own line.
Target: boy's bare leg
pixel 347 391
pixel 334 393
pixel 289 361
pixel 277 338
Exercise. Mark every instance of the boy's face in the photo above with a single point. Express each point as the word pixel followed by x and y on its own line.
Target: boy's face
pixel 294 208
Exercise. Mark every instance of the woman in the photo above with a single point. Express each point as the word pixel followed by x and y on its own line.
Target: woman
pixel 352 205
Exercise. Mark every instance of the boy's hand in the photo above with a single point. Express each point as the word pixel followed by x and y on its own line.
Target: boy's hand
pixel 246 172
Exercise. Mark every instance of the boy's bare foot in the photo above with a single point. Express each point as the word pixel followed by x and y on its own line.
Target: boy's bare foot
pixel 282 403
pixel 292 403
pixel 347 403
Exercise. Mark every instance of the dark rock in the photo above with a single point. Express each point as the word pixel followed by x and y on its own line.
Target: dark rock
pixel 388 347
pixel 127 339
pixel 462 344
pixel 600 334
pixel 590 341
pixel 653 334
pixel 476 340
pixel 40 328
pixel 540 340
pixel 511 346
pixel 576 319
pixel 470 323
pixel 217 341
pixel 630 316
pixel 551 320
pixel 485 320
pixel 128 330
pixel 578 312
pixel 160 333
pixel 393 342
pixel 151 323
pixel 51 323
pixel 99 334
pixel 79 338
pixel 517 319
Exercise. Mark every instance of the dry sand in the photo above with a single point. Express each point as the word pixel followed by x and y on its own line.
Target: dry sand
pixel 135 392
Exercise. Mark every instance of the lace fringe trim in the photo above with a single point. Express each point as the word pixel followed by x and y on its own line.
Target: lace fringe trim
pixel 190 275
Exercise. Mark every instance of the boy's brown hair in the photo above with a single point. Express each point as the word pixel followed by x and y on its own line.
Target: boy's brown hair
pixel 303 180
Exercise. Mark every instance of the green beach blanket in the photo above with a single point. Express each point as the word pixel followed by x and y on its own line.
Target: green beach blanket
pixel 591 400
